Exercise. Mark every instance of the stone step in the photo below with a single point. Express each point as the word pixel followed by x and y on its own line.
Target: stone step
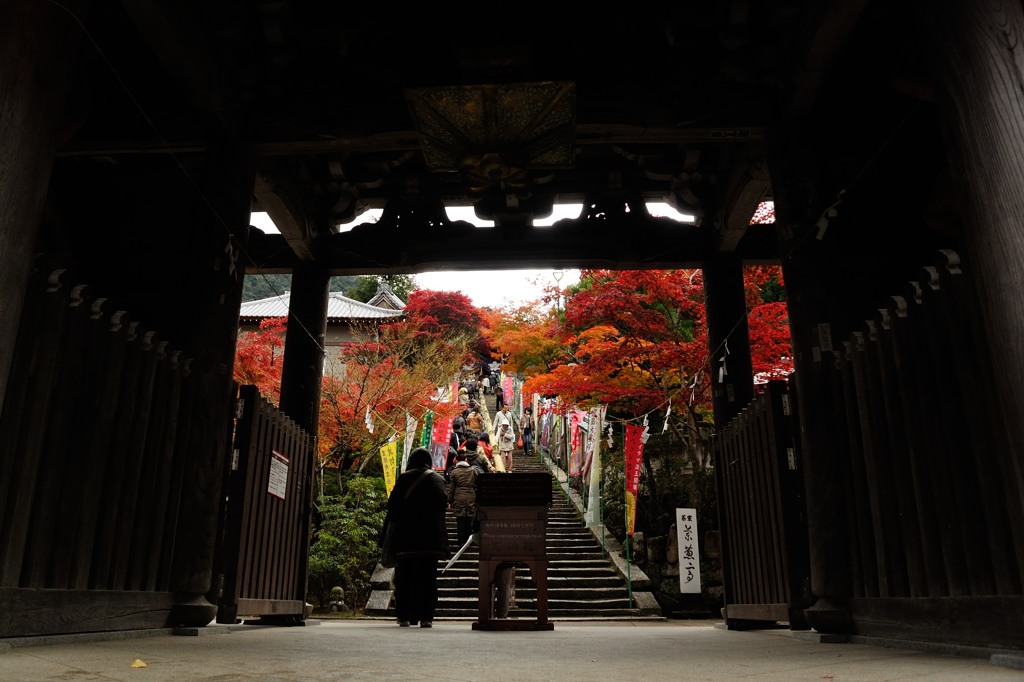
pixel 581 579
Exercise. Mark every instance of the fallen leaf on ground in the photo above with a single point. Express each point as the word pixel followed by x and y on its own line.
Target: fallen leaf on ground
pixel 139 663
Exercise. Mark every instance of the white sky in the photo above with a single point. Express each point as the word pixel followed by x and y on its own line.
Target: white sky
pixel 489 288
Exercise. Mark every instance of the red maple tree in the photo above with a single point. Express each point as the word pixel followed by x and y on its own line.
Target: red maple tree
pixel 259 357
pixel 636 341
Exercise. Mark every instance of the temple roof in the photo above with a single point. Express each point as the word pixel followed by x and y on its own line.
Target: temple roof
pixel 339 307
pixel 386 298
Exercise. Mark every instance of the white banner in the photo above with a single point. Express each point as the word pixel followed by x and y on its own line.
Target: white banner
pixel 689 551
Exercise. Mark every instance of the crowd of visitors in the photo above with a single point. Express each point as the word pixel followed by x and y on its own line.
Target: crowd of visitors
pixel 422 497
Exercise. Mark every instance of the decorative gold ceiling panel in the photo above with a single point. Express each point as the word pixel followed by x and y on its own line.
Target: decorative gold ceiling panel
pixel 525 125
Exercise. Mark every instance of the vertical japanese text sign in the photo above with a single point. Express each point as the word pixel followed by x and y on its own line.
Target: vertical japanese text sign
pixel 389 463
pixel 689 551
pixel 634 455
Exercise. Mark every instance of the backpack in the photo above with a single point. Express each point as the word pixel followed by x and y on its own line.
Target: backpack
pixel 480 464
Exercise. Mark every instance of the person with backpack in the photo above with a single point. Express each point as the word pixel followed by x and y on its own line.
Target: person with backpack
pixel 462 496
pixel 475 458
pixel 474 421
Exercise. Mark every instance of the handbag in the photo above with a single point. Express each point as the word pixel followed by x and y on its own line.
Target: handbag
pixel 388 546
pixel 388 556
pixel 519 443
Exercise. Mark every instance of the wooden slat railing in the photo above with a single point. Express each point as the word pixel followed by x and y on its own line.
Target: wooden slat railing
pixel 90 466
pixel 760 498
pixel 265 539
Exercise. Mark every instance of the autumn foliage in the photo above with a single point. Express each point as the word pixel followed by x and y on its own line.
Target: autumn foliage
pixel 259 358
pixel 394 370
pixel 636 341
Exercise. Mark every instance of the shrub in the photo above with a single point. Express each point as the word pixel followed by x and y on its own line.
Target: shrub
pixel 344 551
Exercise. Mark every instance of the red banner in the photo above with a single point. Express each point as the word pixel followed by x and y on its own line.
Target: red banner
pixel 440 435
pixel 634 450
pixel 634 456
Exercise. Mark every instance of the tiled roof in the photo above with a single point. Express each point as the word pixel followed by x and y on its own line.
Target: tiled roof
pixel 386 297
pixel 338 308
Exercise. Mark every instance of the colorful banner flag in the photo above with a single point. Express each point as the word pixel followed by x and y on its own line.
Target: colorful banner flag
pixel 410 437
pixel 389 462
pixel 634 450
pixel 428 426
pixel 441 434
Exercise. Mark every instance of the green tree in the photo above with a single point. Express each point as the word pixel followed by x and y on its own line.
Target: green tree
pixel 344 551
pixel 256 287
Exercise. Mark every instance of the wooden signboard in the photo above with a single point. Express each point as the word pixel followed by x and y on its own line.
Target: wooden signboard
pixel 513 513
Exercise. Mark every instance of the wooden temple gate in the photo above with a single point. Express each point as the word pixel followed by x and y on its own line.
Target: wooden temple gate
pixel 926 505
pixel 137 138
pixel 99 499
pixel 96 459
pixel 762 517
pixel 264 539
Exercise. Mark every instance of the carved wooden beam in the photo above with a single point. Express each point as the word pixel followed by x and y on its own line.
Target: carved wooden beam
pixel 747 188
pixel 619 243
pixel 285 209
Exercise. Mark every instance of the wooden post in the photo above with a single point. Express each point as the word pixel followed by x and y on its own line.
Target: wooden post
pixel 824 452
pixel 304 345
pixel 823 455
pixel 732 377
pixel 38 42
pixel 216 273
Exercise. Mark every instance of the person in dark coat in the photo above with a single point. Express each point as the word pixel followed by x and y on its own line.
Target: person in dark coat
pixel 476 458
pixel 418 503
pixel 462 497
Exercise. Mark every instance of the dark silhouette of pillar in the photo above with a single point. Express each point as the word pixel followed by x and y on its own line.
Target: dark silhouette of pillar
pixel 732 378
pixel 38 42
pixel 304 345
pixel 213 272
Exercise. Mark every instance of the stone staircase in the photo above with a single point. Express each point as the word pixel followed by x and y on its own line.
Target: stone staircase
pixel 584 580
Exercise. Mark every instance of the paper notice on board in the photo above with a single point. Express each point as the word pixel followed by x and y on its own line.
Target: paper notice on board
pixel 278 483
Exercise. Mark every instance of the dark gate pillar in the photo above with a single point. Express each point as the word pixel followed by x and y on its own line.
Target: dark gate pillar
pixel 812 304
pixel 304 345
pixel 38 42
pixel 732 377
pixel 213 277
pixel 823 454
pixel 977 58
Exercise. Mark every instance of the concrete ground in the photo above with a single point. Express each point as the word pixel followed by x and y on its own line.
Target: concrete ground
pixel 578 650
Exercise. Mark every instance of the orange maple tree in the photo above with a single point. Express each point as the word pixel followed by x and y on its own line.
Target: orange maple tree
pixel 395 374
pixel 396 370
pixel 636 341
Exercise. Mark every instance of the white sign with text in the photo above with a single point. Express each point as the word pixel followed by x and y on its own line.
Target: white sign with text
pixel 278 483
pixel 689 551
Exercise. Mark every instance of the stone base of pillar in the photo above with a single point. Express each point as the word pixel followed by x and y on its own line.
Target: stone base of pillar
pixel 830 616
pixel 192 611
